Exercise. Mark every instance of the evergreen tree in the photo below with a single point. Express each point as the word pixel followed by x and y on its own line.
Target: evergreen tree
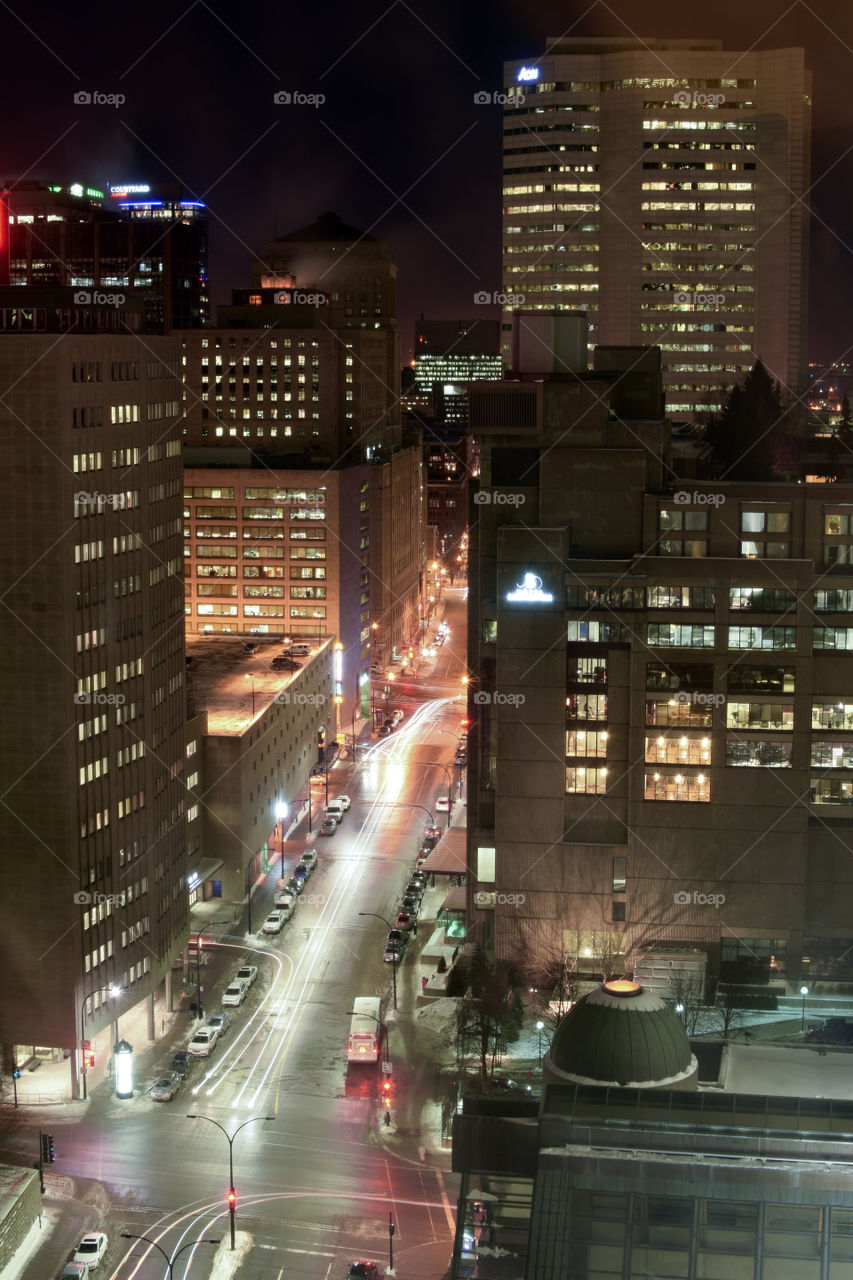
pixel 742 438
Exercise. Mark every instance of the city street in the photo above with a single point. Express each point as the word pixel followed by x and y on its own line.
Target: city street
pixel 315 1184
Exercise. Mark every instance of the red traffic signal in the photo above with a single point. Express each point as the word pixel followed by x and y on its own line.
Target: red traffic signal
pixel 232 1198
pixel 386 1093
pixel 89 1058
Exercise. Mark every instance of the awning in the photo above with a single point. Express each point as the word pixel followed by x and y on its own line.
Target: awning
pixel 455 900
pixel 448 856
pixel 205 869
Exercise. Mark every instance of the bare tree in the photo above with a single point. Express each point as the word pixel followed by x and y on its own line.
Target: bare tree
pixel 489 1016
pixel 688 989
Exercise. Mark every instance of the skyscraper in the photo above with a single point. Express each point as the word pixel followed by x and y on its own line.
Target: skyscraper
pixel 659 186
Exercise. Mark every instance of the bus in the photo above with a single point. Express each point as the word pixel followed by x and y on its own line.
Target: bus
pixel 366 1030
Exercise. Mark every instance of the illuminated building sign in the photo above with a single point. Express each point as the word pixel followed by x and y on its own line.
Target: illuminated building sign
pixel 529 591
pixel 526 74
pixel 132 189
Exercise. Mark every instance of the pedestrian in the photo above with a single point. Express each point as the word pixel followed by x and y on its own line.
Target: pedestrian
pixel 414 928
pixel 424 981
pixel 193 1009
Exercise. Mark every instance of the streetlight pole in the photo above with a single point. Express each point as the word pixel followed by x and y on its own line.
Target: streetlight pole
pixel 170 1262
pixel 394 960
pixel 114 991
pixel 251 676
pixel 804 991
pixel 232 1194
pixel 540 1027
pixel 391 1230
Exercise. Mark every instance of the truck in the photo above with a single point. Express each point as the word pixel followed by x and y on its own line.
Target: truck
pixel 367 1028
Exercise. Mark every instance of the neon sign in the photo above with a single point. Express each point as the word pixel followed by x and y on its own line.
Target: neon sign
pixel 529 591
pixel 527 74
pixel 132 189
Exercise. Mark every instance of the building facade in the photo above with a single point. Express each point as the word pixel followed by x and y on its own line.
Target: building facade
pixel 93 826
pixel 658 753
pixel 659 186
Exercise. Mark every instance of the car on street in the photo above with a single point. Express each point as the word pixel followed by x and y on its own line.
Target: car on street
pixel 340 802
pixel 362 1270
pixel 398 717
pixel 235 993
pixel 329 827
pixel 201 1045
pixel 302 871
pixel 181 1064
pixel 414 890
pixel 274 923
pixel 461 758
pixel 395 946
pixel 439 639
pixel 419 876
pixel 250 648
pixel 74 1271
pixel 309 857
pixel 285 904
pixel 831 1031
pixel 442 804
pixel 411 904
pixel 431 837
pixel 294 886
pixel 384 730
pixel 246 973
pixel 404 922
pixel 164 1088
pixel 91 1249
pixel 282 662
pixel 220 1021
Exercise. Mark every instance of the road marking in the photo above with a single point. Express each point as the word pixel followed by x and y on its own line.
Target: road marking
pixel 451 1221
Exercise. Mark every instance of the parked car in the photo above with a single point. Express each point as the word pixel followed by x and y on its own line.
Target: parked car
pixel 395 946
pixel 329 827
pixel 832 1031
pixel 414 889
pixel 164 1088
pixel 250 648
pixel 294 886
pixel 201 1045
pixel 338 807
pixel 74 1271
pixel 309 857
pixel 235 993
pixel 411 904
pixel 431 837
pixel 285 904
pixel 181 1064
pixel 274 923
pixel 302 871
pixel 461 758
pixel 246 973
pixel 384 730
pixel 443 804
pixel 219 1021
pixel 91 1249
pixel 284 664
pixel 404 922
pixel 419 876
pixel 363 1271
pixel 398 717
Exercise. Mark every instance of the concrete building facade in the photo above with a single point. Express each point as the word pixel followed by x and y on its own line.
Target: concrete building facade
pixel 659 185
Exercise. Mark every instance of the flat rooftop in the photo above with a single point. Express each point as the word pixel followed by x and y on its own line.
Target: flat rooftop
pixel 222 677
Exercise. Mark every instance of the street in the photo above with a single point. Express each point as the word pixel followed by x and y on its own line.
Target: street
pixel 315 1184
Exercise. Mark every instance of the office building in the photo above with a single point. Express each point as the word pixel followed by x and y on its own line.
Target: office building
pixel 93 823
pixel 66 236
pixel 661 186
pixel 450 354
pixel 661 748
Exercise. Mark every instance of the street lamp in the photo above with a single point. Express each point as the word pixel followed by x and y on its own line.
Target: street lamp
pixel 280 815
pixel 170 1262
pixel 679 1009
pixel 540 1027
pixel 114 992
pixel 804 991
pixel 251 676
pixel 394 957
pixel 232 1194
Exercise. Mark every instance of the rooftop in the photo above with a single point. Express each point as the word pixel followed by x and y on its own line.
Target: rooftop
pixel 219 676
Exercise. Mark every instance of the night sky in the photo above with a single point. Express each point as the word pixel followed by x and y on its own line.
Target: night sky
pixel 398 148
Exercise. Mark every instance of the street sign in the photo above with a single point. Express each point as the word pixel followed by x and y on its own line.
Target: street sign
pixel 85 1044
pixel 387 1068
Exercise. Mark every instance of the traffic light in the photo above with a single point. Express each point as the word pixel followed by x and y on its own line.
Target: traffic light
pixel 386 1095
pixel 48 1150
pixel 17 1073
pixel 89 1059
pixel 232 1199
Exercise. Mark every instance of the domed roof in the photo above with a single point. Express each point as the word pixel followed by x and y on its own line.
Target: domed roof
pixel 620 1034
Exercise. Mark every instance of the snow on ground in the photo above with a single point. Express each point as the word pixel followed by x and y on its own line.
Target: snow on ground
pixel 225 1263
pixel 38 1235
pixel 763 1068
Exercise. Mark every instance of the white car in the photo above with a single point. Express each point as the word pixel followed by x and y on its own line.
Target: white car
pixel 91 1249
pixel 201 1045
pixel 274 922
pixel 285 905
pixel 442 804
pixel 236 993
pixel 309 858
pixel 246 973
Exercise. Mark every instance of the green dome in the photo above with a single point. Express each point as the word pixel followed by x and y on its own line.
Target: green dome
pixel 622 1035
